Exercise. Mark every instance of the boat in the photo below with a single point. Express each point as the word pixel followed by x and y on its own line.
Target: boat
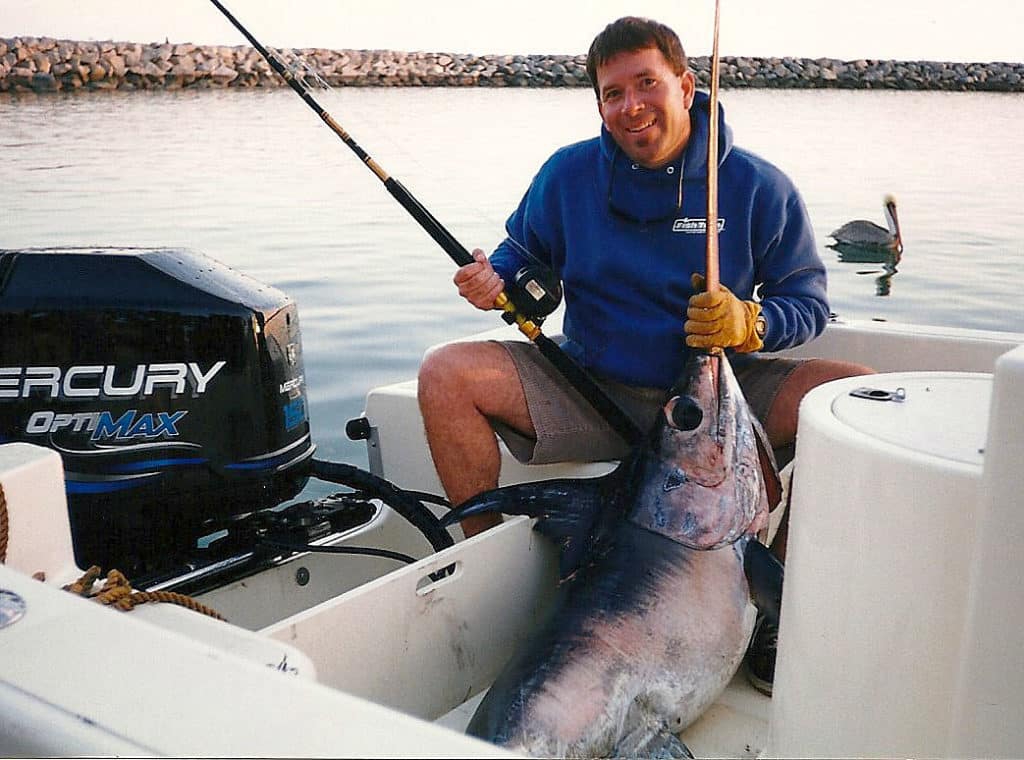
pixel 901 621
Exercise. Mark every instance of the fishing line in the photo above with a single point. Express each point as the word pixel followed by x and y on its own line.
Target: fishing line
pixel 536 277
pixel 301 68
pixel 574 374
pixel 311 78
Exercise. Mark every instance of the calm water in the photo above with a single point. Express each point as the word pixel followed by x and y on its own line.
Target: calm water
pixel 255 180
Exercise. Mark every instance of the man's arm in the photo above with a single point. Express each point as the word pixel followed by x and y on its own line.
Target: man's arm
pixel 792 305
pixel 792 279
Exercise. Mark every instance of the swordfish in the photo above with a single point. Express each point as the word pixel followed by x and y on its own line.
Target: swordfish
pixel 653 613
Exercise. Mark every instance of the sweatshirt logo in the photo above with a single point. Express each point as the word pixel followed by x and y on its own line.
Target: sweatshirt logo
pixel 695 225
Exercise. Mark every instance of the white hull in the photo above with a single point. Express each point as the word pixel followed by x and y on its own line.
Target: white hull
pixel 900 636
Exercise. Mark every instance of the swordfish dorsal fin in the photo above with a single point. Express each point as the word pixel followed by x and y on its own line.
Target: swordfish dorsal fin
pixel 567 510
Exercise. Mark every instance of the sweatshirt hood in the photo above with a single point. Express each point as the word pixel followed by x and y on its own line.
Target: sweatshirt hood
pixel 696 153
pixel 642 194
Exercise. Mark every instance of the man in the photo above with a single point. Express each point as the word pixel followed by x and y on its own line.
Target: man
pixel 620 220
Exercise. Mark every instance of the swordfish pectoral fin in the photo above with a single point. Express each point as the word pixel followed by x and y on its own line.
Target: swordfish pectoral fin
pixel 557 502
pixel 566 510
pixel 764 576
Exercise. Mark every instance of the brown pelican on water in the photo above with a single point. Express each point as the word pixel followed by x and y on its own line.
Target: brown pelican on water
pixel 865 234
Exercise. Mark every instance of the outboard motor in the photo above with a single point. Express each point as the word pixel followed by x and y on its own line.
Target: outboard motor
pixel 171 385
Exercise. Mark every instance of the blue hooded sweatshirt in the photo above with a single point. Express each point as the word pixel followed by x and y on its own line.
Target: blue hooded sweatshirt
pixel 624 248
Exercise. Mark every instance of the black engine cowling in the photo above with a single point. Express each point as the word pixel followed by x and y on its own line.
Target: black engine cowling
pixel 171 385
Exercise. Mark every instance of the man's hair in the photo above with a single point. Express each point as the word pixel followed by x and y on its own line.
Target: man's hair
pixel 632 33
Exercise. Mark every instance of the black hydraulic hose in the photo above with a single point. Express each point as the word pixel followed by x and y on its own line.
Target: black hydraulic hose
pixel 408 506
pixel 361 550
pixel 576 375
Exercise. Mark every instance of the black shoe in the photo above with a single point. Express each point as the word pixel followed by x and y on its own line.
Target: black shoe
pixel 760 658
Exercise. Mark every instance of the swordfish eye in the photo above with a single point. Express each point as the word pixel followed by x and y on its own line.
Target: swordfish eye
pixel 684 413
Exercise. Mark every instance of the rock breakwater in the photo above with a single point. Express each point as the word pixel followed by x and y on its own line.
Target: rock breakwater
pixel 49 65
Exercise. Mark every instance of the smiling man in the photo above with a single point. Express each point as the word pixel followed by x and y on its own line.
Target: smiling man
pixel 644 102
pixel 620 220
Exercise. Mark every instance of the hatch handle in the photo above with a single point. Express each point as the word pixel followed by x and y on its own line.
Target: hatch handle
pixel 877 394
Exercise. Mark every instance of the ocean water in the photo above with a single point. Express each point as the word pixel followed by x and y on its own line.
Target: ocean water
pixel 254 179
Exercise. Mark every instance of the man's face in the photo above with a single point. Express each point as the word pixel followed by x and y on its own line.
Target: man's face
pixel 645 105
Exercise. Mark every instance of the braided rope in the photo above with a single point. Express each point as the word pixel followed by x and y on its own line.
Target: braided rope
pixel 167 597
pixel 3 526
pixel 117 592
pixel 83 586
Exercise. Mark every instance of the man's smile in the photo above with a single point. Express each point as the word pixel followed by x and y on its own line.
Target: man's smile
pixel 641 127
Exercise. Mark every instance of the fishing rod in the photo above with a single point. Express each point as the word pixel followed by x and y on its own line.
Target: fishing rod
pixel 566 366
pixel 712 271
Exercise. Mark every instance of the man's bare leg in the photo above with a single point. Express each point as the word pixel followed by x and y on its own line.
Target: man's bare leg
pixel 462 386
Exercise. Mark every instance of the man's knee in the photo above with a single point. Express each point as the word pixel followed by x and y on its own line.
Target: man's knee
pixel 816 372
pixel 435 369
pixel 442 378
pixel 781 420
pixel 463 370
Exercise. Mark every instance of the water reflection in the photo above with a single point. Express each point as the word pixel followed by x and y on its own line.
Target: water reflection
pixel 887 258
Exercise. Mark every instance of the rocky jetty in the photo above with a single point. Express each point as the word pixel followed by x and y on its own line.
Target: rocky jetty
pixel 49 65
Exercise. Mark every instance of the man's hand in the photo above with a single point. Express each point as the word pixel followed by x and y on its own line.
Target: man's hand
pixel 478 283
pixel 719 319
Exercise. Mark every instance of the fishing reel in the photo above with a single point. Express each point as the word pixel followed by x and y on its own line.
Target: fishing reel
pixel 536 292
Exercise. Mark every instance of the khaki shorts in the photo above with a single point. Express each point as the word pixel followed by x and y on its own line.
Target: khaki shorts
pixel 570 430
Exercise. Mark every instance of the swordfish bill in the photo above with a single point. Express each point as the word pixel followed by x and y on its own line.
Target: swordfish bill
pixel 574 374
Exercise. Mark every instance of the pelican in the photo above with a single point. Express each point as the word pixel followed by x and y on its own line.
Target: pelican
pixel 865 234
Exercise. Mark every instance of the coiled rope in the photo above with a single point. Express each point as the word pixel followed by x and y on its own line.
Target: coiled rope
pixel 117 592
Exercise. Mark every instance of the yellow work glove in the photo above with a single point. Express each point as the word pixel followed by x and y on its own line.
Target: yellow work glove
pixel 721 320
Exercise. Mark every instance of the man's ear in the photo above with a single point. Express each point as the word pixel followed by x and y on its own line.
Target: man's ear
pixel 689 84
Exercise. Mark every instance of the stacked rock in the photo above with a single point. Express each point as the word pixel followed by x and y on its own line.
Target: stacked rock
pixel 47 65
